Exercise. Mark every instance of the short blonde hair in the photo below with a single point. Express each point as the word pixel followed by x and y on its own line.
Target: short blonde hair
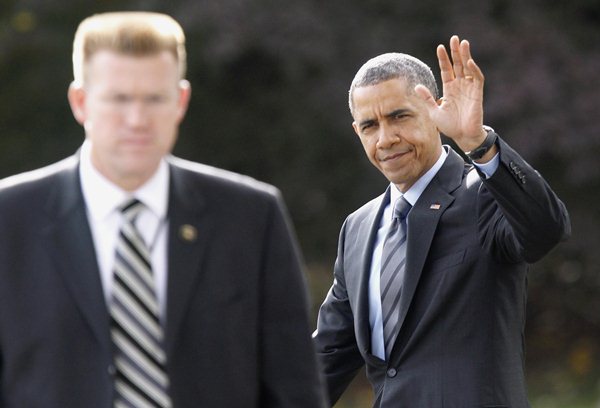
pixel 129 33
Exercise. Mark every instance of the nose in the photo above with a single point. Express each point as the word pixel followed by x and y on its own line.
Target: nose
pixel 387 136
pixel 137 114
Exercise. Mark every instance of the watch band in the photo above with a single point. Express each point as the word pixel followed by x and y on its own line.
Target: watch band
pixel 484 147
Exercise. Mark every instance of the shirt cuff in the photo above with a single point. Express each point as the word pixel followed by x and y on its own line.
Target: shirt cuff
pixel 489 168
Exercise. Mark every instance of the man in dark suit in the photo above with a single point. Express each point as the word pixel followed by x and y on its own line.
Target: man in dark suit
pixel 130 278
pixel 438 319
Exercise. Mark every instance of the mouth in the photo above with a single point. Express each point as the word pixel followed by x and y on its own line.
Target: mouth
pixel 394 156
pixel 137 141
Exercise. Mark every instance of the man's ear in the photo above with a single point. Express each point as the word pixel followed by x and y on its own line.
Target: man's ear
pixel 185 92
pixel 355 127
pixel 76 96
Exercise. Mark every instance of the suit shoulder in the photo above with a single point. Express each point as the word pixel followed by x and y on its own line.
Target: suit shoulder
pixel 222 179
pixel 366 209
pixel 37 179
pixel 369 205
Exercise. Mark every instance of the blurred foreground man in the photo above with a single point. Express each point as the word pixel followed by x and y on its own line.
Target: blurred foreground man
pixel 130 278
pixel 430 280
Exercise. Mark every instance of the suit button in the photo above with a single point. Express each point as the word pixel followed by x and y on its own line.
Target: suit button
pixel 392 372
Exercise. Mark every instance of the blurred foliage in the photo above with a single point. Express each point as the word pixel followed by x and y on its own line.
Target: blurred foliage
pixel 269 99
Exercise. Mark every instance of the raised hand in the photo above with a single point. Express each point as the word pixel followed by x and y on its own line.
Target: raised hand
pixel 459 113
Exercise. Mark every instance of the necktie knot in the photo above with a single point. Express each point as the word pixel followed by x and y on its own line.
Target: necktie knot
pixel 131 209
pixel 401 208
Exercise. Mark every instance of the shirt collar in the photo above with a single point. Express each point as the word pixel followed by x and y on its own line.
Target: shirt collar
pixel 415 191
pixel 102 196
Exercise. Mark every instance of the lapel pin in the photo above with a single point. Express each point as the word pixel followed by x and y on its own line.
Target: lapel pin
pixel 435 206
pixel 188 232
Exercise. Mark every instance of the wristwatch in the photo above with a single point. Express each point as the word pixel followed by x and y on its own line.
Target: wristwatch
pixel 482 149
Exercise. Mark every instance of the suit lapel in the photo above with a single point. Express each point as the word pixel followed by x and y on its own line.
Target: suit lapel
pixel 423 220
pixel 367 228
pixel 190 228
pixel 69 242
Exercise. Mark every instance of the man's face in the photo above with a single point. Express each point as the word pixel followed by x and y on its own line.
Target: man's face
pixel 396 131
pixel 131 108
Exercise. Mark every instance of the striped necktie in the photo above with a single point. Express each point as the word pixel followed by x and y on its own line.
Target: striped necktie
pixel 393 262
pixel 136 332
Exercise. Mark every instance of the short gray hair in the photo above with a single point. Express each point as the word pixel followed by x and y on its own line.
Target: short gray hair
pixel 393 65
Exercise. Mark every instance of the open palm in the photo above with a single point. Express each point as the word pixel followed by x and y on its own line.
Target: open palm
pixel 459 113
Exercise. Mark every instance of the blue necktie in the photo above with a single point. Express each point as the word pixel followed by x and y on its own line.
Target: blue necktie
pixel 393 262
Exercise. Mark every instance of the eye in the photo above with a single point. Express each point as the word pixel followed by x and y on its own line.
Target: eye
pixel 155 99
pixel 120 98
pixel 368 126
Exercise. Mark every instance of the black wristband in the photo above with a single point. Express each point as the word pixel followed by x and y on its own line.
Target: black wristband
pixel 482 149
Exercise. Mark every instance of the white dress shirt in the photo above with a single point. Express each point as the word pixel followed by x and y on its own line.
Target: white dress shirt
pixel 103 200
pixel 412 195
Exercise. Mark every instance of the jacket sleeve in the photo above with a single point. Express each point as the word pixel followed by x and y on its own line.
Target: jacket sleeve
pixel 531 220
pixel 334 337
pixel 289 375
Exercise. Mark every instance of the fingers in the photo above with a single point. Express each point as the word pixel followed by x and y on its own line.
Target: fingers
pixel 457 60
pixel 473 72
pixel 462 65
pixel 470 69
pixel 424 93
pixel 446 69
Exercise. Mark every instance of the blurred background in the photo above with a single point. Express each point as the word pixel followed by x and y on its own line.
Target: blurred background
pixel 269 99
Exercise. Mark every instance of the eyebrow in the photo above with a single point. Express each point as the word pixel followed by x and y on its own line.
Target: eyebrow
pixel 387 116
pixel 366 122
pixel 397 112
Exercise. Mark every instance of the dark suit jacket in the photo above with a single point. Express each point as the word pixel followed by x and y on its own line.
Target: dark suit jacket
pixel 463 302
pixel 237 329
